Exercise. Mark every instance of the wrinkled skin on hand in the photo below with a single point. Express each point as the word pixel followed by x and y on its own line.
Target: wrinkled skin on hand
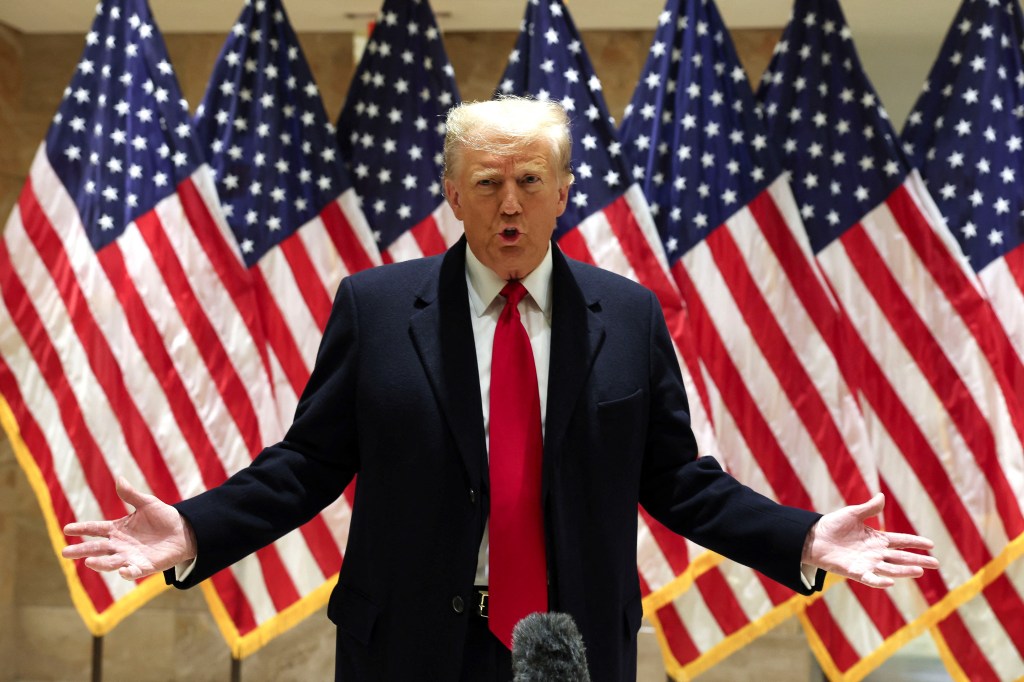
pixel 841 543
pixel 149 540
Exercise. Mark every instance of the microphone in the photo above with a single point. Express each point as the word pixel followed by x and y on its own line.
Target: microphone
pixel 548 647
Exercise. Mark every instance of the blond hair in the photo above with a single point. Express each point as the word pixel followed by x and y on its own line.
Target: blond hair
pixel 505 126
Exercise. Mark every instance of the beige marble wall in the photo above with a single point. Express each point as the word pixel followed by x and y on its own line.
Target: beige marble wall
pixel 11 485
pixel 173 637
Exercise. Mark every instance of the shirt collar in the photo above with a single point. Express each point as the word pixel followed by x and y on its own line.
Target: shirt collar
pixel 485 285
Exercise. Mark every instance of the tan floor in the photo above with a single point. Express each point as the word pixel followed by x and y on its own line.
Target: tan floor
pixel 650 667
pixel 781 654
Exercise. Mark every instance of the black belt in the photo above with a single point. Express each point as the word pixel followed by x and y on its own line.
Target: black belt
pixel 480 599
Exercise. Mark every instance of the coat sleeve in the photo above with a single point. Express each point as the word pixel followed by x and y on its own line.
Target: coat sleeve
pixel 288 483
pixel 694 497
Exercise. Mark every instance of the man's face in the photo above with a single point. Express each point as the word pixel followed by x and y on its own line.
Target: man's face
pixel 508 205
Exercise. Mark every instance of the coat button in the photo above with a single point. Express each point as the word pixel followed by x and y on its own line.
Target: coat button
pixel 458 606
pixel 472 496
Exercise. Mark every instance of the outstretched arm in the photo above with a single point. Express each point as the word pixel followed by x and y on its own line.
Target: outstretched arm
pixel 151 539
pixel 841 543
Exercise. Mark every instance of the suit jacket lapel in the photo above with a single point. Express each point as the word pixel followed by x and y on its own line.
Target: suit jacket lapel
pixel 442 332
pixel 576 337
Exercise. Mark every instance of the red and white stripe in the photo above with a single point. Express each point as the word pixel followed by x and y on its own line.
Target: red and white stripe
pixel 295 286
pixel 972 647
pixel 854 628
pixel 767 331
pixel 725 609
pixel 433 235
pixel 1003 280
pixel 939 393
pixel 136 348
pixel 763 325
pixel 295 283
pixel 142 359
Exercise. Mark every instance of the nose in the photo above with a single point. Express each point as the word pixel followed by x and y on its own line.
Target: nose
pixel 510 201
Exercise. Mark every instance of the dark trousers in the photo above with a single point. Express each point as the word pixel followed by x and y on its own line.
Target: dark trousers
pixel 485 659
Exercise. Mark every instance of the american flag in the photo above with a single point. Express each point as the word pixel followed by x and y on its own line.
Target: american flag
pixel 391 132
pixel 607 223
pixel 764 322
pixel 937 381
pixel 288 201
pixel 965 136
pixel 129 336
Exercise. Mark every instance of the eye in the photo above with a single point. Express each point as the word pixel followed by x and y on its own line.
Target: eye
pixel 530 179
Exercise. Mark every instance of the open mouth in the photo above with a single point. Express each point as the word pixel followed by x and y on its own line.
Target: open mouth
pixel 510 234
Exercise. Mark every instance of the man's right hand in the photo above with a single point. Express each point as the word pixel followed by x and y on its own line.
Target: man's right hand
pixel 151 539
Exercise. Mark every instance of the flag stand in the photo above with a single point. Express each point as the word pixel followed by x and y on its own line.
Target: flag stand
pixel 97 658
pixel 236 669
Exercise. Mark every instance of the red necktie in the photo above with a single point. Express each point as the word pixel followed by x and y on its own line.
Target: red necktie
pixel 517 567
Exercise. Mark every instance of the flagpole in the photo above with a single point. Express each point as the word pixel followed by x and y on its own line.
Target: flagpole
pixel 236 669
pixel 97 658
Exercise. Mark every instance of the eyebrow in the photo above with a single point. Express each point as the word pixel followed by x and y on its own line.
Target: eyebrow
pixel 527 168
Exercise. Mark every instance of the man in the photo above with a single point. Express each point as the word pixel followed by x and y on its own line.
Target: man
pixel 502 445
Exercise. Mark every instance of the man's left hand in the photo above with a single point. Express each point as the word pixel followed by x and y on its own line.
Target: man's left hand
pixel 841 543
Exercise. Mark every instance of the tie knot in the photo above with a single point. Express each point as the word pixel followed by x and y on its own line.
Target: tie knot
pixel 514 291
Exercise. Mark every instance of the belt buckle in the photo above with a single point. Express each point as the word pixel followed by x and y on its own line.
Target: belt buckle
pixel 481 607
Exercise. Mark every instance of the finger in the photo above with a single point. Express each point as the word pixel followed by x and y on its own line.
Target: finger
pixel 891 570
pixel 872 507
pixel 112 562
pixel 875 580
pixel 81 550
pixel 908 541
pixel 100 529
pixel 130 572
pixel 129 494
pixel 911 559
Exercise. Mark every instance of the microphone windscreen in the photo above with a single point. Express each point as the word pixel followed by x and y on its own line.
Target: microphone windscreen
pixel 548 647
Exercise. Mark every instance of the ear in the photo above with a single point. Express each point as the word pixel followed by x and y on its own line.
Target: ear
pixel 563 197
pixel 451 195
